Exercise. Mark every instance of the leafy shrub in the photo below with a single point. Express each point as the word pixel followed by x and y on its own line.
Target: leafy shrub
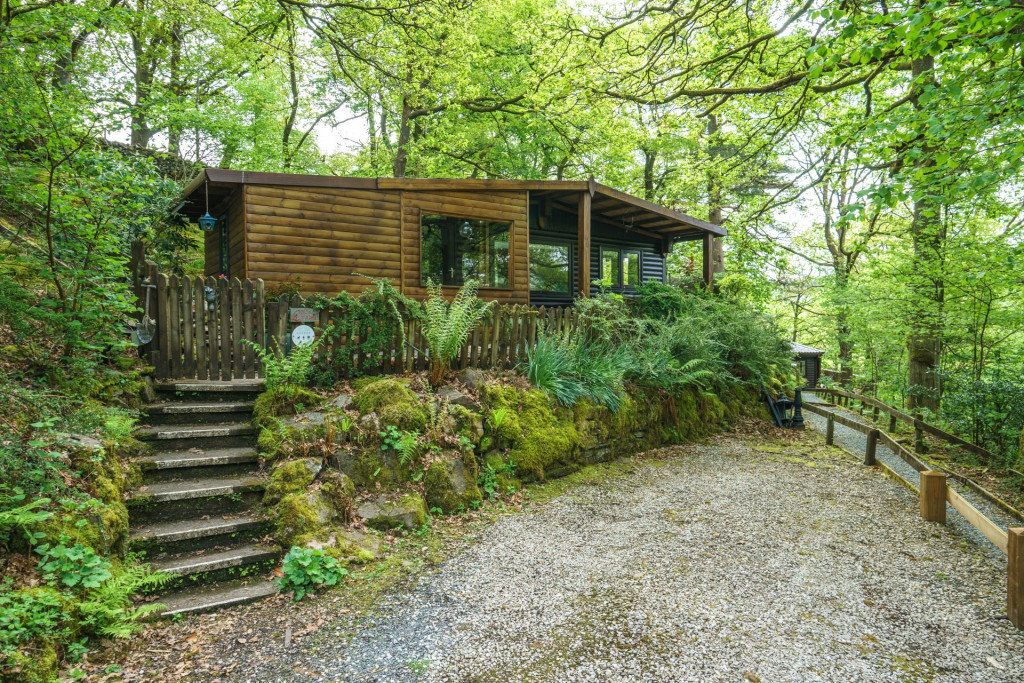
pixel 375 318
pixel 305 569
pixel 988 411
pixel 29 614
pixel 73 566
pixel 448 326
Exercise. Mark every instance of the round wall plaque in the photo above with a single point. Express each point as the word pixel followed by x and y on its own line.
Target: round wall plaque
pixel 303 335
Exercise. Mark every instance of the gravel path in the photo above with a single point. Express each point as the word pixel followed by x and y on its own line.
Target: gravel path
pixel 855 442
pixel 731 560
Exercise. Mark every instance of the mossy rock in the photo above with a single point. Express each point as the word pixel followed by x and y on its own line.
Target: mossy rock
pixel 361 383
pixel 382 393
pixel 339 490
pixel 301 515
pixel 468 423
pixel 40 665
pixel 291 476
pixel 406 511
pixel 549 444
pixel 369 466
pixel 451 484
pixel 409 417
pixel 344 544
pixel 284 400
pixel 278 433
pixel 101 526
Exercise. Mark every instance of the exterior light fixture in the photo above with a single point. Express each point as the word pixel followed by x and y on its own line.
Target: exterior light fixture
pixel 467 229
pixel 206 221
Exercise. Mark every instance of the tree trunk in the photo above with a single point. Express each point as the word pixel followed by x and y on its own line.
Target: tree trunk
pixel 404 136
pixel 650 156
pixel 925 342
pixel 715 195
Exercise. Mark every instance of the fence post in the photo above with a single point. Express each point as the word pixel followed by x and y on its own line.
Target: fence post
pixel 918 435
pixel 933 496
pixel 1015 576
pixel 830 430
pixel 871 447
pixel 892 424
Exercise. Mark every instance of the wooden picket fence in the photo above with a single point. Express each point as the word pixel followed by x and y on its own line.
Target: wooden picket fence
pixel 203 326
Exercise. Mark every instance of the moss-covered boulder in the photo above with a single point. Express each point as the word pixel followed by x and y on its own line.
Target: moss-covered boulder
pixel 339 490
pixel 345 544
pixel 368 466
pixel 291 476
pixel 409 417
pixel 301 515
pixel 548 445
pixel 38 665
pixel 382 393
pixel 451 484
pixel 390 512
pixel 284 400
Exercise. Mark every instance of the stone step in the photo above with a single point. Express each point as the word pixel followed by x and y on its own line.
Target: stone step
pixel 198 463
pixel 195 534
pixel 211 390
pixel 198 412
pixel 219 565
pixel 194 563
pixel 166 501
pixel 183 437
pixel 216 596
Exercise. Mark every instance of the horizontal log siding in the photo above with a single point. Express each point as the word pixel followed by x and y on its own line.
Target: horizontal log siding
pixel 497 206
pixel 328 238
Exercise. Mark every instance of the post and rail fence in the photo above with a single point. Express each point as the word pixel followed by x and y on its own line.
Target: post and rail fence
pixel 205 329
pixel 934 493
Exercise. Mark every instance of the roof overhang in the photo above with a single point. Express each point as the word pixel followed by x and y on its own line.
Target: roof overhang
pixel 609 206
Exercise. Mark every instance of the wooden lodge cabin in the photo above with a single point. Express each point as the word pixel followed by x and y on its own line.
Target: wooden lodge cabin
pixel 808 363
pixel 522 239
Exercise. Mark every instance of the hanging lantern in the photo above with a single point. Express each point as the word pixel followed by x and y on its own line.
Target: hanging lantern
pixel 206 221
pixel 467 229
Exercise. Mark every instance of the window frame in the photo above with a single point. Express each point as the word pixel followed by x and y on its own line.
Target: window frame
pixel 620 253
pixel 553 242
pixel 466 216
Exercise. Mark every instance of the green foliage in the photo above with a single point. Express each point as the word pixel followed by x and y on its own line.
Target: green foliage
pixel 375 317
pixel 73 566
pixel 15 516
pixel 447 326
pixel 406 444
pixel 28 614
pixel 291 368
pixel 284 400
pixel 306 569
pixel 109 610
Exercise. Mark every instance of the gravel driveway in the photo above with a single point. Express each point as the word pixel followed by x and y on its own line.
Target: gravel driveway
pixel 732 560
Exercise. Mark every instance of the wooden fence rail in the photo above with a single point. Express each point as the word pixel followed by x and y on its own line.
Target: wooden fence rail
pixel 934 493
pixel 919 425
pixel 206 329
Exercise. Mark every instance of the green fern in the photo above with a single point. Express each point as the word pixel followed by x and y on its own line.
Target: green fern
pixel 448 325
pixel 108 610
pixel 280 368
pixel 408 447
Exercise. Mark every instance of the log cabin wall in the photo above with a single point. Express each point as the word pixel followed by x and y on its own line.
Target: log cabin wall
pixel 497 206
pixel 230 216
pixel 329 238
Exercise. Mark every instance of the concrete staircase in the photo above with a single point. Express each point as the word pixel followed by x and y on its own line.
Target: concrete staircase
pixel 197 513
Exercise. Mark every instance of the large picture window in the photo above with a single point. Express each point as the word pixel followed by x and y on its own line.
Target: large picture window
pixel 549 267
pixel 457 250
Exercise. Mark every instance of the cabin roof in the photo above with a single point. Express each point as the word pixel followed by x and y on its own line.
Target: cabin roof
pixel 609 206
pixel 803 350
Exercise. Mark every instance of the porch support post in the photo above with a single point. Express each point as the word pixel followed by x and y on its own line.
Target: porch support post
pixel 583 229
pixel 708 260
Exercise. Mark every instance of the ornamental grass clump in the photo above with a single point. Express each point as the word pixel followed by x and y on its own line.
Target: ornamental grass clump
pixel 447 326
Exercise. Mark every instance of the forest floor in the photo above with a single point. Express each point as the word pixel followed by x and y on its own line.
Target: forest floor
pixel 756 555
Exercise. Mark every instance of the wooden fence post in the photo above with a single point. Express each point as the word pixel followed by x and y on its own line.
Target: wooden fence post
pixel 892 424
pixel 871 447
pixel 1015 576
pixel 830 430
pixel 933 496
pixel 918 434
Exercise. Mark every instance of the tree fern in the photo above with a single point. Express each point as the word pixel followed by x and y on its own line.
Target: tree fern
pixel 447 326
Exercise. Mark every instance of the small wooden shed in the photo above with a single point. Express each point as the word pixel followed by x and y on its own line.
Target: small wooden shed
pixel 522 240
pixel 808 361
